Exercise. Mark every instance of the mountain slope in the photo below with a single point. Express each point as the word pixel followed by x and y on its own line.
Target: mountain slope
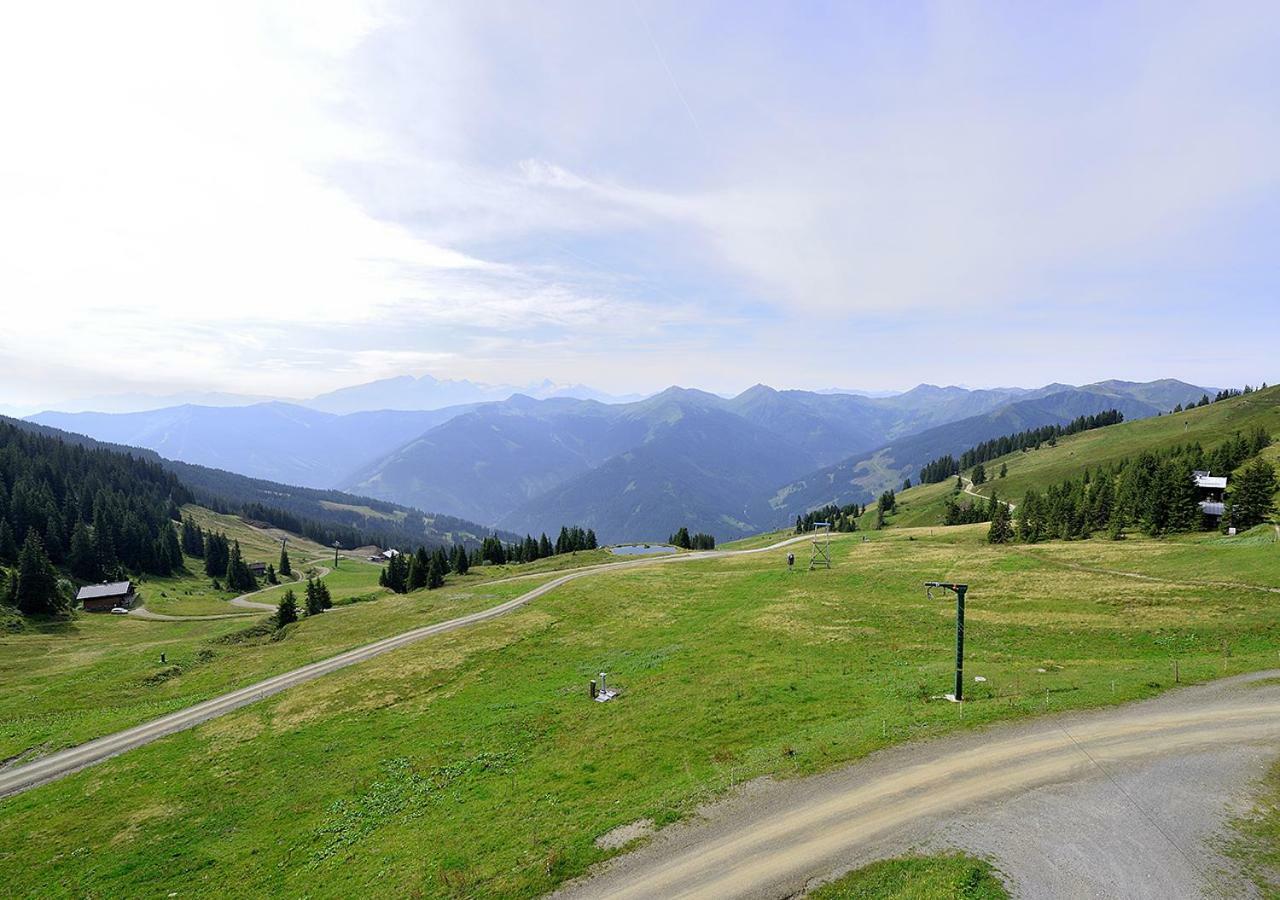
pixel 1207 425
pixel 322 515
pixel 482 464
pixel 695 469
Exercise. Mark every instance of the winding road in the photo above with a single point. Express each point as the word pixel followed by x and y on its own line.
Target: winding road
pixel 64 762
pixel 242 601
pixel 1125 802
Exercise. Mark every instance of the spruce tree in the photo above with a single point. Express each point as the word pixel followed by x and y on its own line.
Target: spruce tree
pixel 461 562
pixel 287 611
pixel 418 566
pixel 1001 530
pixel 1030 524
pixel 239 578
pixel 36 586
pixel 435 576
pixel 286 570
pixel 8 546
pixel 1116 524
pixel 271 574
pixel 82 558
pixel 1251 499
pixel 311 595
pixel 979 474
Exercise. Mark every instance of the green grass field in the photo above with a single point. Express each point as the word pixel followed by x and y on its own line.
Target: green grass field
pixel 948 877
pixel 473 763
pixel 62 683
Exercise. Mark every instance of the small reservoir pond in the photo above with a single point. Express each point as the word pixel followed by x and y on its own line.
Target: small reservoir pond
pixel 641 549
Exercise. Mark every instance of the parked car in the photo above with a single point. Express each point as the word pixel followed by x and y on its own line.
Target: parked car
pixel 119 611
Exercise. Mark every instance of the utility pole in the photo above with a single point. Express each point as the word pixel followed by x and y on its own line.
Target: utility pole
pixel 959 590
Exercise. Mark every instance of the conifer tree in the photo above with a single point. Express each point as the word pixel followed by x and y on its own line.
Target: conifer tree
pixel 435 575
pixel 1116 523
pixel 1251 499
pixel 271 574
pixel 239 577
pixel 287 611
pixel 418 568
pixel 82 558
pixel 1001 530
pixel 979 474
pixel 36 580
pixel 8 545
pixel 285 569
pixel 442 560
pixel 1030 523
pixel 312 600
pixel 192 538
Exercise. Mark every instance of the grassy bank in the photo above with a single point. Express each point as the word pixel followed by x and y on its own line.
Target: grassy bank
pixel 946 877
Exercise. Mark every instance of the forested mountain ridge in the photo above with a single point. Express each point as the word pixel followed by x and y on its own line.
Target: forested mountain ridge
pixel 277 441
pixel 87 508
pixel 324 516
pixel 862 477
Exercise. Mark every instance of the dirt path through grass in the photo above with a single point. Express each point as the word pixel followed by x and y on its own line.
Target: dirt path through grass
pixel 58 765
pixel 1125 802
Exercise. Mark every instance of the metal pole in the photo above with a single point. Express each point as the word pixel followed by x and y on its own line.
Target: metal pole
pixel 960 592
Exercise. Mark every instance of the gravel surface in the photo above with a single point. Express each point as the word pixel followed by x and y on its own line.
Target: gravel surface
pixel 1127 802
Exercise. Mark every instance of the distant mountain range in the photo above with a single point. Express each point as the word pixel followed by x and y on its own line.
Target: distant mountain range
pixel 630 470
pixel 426 392
pixel 403 392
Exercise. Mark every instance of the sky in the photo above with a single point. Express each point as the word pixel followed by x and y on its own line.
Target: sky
pixel 279 199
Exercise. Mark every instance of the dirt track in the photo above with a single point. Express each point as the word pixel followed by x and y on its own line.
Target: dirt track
pixel 1118 803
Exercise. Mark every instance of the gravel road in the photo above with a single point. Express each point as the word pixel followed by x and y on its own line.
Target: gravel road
pixel 1125 802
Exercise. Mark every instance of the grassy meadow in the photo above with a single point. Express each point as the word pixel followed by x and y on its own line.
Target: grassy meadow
pixel 473 763
pixel 942 877
pixel 66 682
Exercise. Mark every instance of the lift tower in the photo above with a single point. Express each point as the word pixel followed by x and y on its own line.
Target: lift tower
pixel 959 590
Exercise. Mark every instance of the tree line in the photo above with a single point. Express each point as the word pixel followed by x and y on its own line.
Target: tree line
pixel 686 541
pixel 842 518
pixel 1224 394
pixel 947 466
pixel 405 572
pixel 94 513
pixel 426 568
pixel 1154 491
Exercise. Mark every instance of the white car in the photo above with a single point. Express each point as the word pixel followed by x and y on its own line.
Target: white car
pixel 119 611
